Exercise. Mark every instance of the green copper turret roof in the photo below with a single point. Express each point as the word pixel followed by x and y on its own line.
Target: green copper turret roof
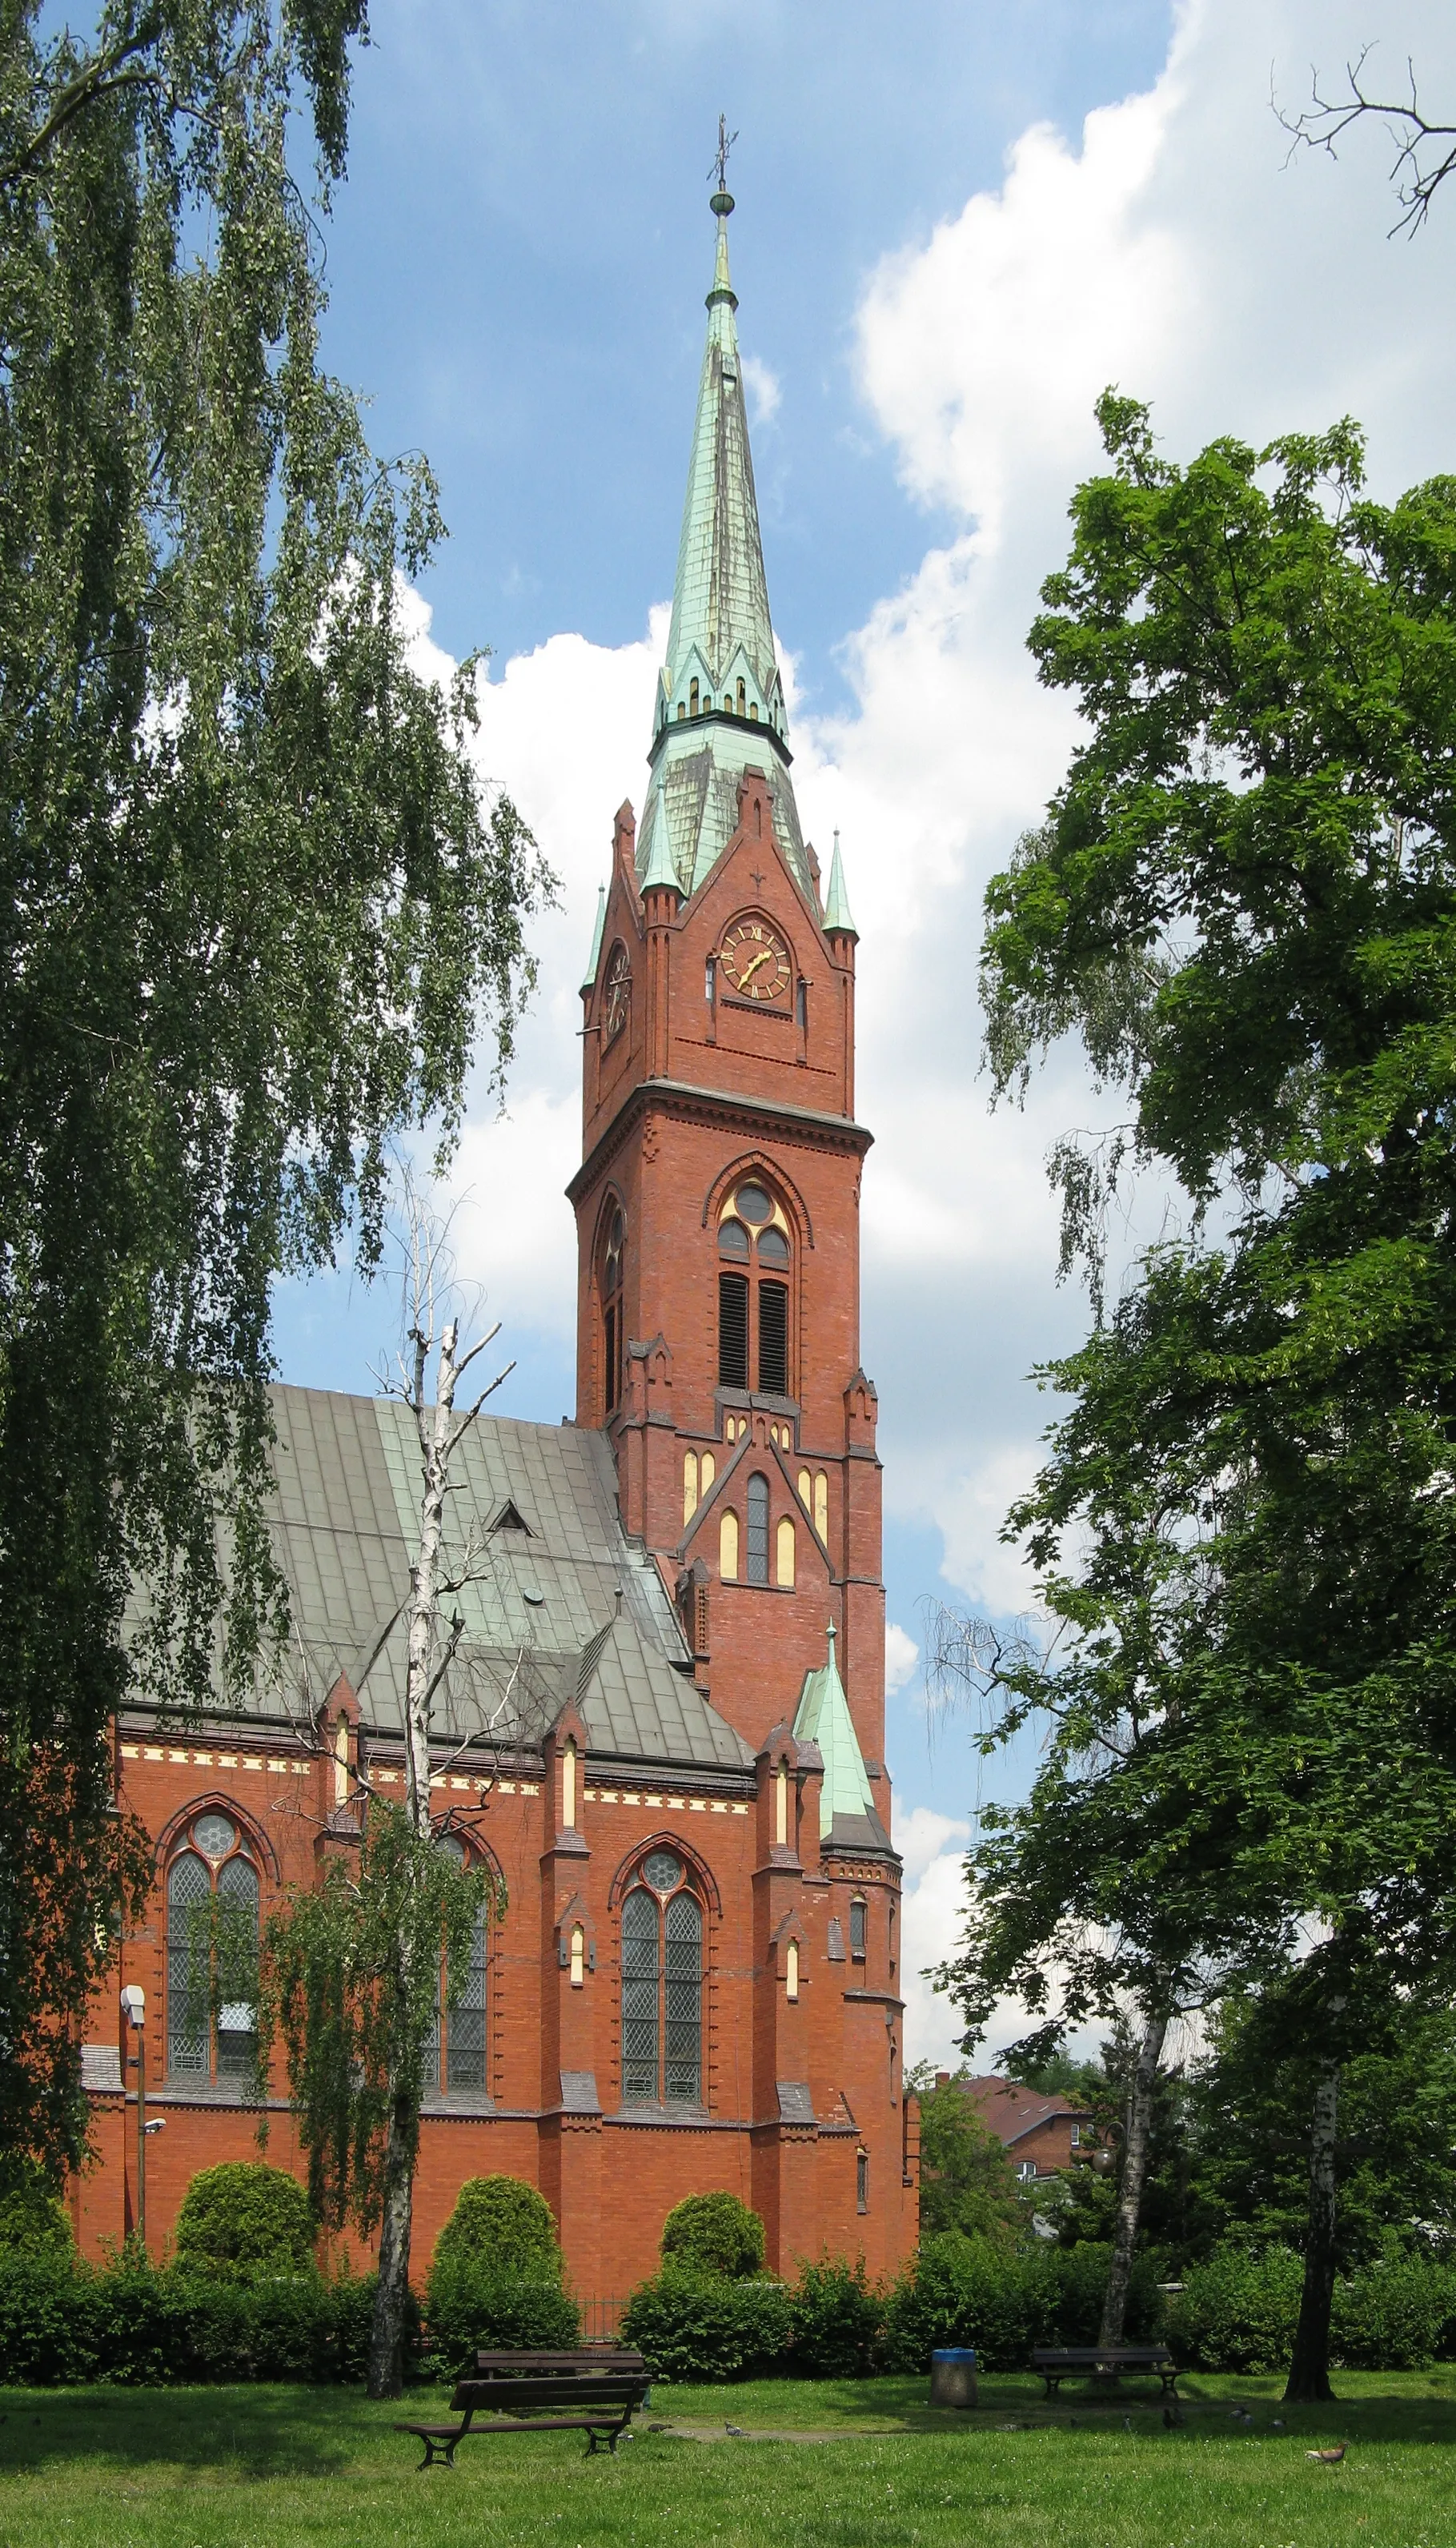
pixel 823 1717
pixel 660 868
pixel 594 958
pixel 837 912
pixel 720 705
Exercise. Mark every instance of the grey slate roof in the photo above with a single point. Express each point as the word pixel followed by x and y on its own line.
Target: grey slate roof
pixel 561 1609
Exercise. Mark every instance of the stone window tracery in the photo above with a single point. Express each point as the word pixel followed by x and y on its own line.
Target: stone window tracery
pixel 754 1323
pixel 213 1904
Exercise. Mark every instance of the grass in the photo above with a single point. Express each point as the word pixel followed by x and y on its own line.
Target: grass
pixel 299 2468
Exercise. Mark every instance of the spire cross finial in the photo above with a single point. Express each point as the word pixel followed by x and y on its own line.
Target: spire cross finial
pixel 720 167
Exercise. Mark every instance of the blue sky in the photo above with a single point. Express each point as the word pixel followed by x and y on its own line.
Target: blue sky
pixel 955 225
pixel 519 261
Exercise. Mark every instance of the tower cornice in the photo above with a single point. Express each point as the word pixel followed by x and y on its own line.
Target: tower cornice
pixel 756 1116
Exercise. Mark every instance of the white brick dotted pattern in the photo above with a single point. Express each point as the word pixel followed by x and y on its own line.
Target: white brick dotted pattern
pixel 391 1778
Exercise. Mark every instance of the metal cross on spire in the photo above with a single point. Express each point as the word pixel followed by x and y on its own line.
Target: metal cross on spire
pixel 719 168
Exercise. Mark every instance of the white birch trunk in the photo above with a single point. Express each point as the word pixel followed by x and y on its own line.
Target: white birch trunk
pixel 436 1429
pixel 1137 2135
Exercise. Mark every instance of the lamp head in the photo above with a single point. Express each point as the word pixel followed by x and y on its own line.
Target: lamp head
pixel 133 2004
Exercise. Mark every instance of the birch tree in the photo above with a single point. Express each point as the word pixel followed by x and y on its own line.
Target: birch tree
pixel 350 1975
pixel 258 918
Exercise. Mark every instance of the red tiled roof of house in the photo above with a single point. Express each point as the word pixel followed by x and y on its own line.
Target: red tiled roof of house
pixel 1011 2111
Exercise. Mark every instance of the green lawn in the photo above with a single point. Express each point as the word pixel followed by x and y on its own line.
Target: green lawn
pixel 279 2468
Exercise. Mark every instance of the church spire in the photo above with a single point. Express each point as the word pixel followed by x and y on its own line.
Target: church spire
pixel 721 634
pixel 720 705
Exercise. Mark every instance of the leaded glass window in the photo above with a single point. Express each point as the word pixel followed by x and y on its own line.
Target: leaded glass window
pixel 661 1988
pixel 641 1979
pixel 212 1910
pixel 758 1529
pixel 455 2054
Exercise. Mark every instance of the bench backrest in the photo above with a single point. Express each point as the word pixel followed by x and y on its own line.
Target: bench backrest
pixel 1127 2354
pixel 591 2359
pixel 615 2389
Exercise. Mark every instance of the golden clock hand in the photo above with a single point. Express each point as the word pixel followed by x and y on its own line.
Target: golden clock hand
pixel 748 970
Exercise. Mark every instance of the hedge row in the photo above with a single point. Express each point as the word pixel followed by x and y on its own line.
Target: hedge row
pixel 833 2323
pixel 142 2323
pixel 1238 2311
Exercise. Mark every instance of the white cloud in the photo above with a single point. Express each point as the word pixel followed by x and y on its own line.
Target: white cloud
pixel 901 1655
pixel 1166 246
pixel 764 387
pixel 933 1847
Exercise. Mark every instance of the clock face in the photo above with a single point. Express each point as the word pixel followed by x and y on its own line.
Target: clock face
pixel 756 962
pixel 618 992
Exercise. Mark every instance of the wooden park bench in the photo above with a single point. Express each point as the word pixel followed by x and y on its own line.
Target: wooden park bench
pixel 1105 2363
pixel 579 2399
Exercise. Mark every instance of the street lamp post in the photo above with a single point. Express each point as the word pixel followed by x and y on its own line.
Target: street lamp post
pixel 134 2009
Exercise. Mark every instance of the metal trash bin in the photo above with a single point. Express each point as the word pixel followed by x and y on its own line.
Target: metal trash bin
pixel 952 2376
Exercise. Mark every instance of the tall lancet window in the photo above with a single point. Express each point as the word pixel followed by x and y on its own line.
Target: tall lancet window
pixel 612 1312
pixel 662 1985
pixel 754 1304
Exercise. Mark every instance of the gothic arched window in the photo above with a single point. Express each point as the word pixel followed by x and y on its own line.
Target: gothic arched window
pixel 758 1528
pixel 212 1897
pixel 661 1986
pixel 754 1304
pixel 611 1310
pixel 455 2056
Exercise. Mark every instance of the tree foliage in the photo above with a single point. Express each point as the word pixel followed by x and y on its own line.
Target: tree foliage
pixel 254 905
pixel 505 2225
pixel 713 2233
pixel 1244 900
pixel 243 2217
pixel 966 2181
pixel 350 1994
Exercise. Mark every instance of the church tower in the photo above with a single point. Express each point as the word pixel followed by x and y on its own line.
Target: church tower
pixel 718 1199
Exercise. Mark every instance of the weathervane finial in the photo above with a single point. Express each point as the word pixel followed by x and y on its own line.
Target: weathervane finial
pixel 722 201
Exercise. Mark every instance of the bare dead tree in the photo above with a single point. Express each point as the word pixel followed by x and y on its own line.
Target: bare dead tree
pixel 1425 149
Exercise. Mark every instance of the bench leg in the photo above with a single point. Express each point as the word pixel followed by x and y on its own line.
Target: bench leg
pixel 436 2452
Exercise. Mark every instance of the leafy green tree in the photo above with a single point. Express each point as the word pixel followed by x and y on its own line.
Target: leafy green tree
pixel 713 2233
pixel 349 1993
pixel 966 2181
pixel 505 2223
pixel 255 909
pixel 1245 901
pixel 245 2218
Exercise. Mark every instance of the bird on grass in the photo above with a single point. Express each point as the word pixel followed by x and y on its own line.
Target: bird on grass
pixel 1331 2458
pixel 1173 2418
pixel 739 2431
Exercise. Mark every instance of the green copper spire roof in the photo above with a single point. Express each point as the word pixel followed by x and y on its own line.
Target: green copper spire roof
pixel 720 705
pixel 837 912
pixel 660 868
pixel 594 958
pixel 823 1717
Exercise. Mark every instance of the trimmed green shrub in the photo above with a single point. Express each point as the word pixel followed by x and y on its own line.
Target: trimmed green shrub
pixel 503 2225
pixel 702 2327
pixel 473 2306
pixel 1237 2310
pixel 32 2218
pixel 1399 2314
pixel 143 2325
pixel 965 2291
pixel 245 2218
pixel 835 2318
pixel 713 2233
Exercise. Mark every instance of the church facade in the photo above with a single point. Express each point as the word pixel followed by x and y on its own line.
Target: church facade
pixel 664 1725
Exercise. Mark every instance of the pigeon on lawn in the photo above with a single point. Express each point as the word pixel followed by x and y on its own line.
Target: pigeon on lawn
pixel 739 2431
pixel 1329 2457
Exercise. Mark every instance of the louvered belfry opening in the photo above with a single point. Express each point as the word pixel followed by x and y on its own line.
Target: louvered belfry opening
pixel 732 1330
pixel 774 1340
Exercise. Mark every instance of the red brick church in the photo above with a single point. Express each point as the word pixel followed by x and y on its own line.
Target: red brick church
pixel 665 1721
